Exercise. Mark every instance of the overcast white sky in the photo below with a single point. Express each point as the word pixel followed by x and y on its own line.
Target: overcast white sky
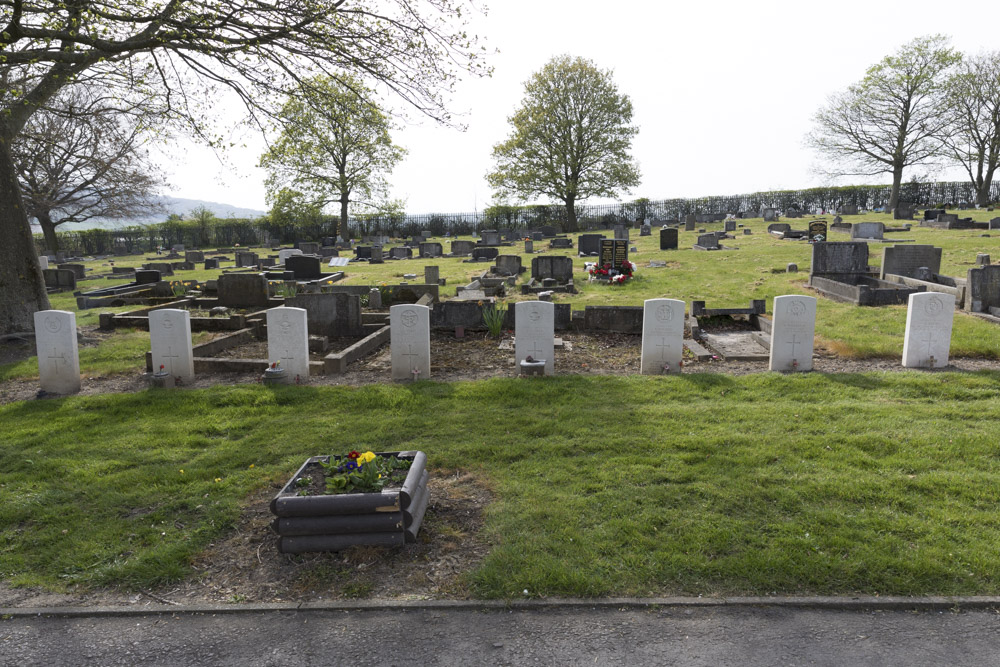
pixel 723 91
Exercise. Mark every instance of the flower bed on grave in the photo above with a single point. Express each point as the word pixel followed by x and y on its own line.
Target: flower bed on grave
pixel 610 274
pixel 334 502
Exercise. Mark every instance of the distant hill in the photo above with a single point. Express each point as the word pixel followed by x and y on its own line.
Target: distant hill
pixel 178 205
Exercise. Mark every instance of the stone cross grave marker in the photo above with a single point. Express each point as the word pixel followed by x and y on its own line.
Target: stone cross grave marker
pixel 288 340
pixel 662 336
pixel 534 333
pixel 927 341
pixel 58 354
pixel 170 341
pixel 410 341
pixel 792 333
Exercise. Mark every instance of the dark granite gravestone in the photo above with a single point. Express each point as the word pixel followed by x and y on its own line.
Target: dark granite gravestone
pixel 485 253
pixel 537 236
pixel 165 268
pixel 550 266
pixel 707 242
pixel 462 248
pixel 561 242
pixel 817 231
pixel 242 290
pixel 668 238
pixel 846 258
pixel 932 213
pixel 589 244
pixel 193 256
pixel 309 247
pixel 304 267
pixel 245 259
pixel 904 211
pixel 621 232
pixel 401 252
pixel 613 252
pixel 147 276
pixel 848 209
pixel 59 278
pixel 645 230
pixel 490 237
pixel 335 315
pixel 362 252
pixel 769 214
pixel 79 270
pixel 509 264
pixel 431 249
pixel 904 260
pixel 548 231
pixel 729 225
pixel 211 263
pixel 778 227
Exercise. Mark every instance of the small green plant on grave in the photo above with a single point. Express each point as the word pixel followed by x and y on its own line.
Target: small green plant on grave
pixel 362 473
pixel 179 289
pixel 493 317
pixel 386 293
pixel 286 290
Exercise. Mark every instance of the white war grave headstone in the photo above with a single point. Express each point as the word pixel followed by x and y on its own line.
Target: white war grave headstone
pixel 58 354
pixel 288 341
pixel 927 341
pixel 792 333
pixel 410 341
pixel 43 261
pixel 534 333
pixel 662 336
pixel 170 341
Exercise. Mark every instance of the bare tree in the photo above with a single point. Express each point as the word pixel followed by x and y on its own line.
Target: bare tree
pixel 973 104
pixel 890 120
pixel 178 55
pixel 81 160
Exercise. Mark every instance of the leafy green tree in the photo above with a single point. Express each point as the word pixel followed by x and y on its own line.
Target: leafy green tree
pixel 892 119
pixel 334 146
pixel 571 138
pixel 973 137
pixel 176 57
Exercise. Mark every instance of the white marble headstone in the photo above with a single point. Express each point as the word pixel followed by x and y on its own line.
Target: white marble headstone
pixel 662 336
pixel 534 333
pixel 792 333
pixel 58 355
pixel 170 341
pixel 286 253
pixel 928 330
pixel 43 261
pixel 410 341
pixel 288 340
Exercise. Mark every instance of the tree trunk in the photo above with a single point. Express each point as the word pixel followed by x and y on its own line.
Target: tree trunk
pixel 983 191
pixel 897 179
pixel 22 288
pixel 49 231
pixel 342 223
pixel 571 224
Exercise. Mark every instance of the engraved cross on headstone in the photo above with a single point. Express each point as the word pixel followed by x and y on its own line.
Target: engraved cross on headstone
pixel 663 348
pixel 793 342
pixel 57 358
pixel 287 356
pixel 410 353
pixel 534 351
pixel 930 340
pixel 170 356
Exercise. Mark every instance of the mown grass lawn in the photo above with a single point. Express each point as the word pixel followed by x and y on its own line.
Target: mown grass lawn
pixel 693 484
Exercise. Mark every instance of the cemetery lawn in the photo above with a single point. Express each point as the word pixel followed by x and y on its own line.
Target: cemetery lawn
pixel 602 486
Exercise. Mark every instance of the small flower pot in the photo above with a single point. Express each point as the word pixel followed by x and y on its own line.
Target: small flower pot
pixel 162 380
pixel 275 376
pixel 534 367
pixel 391 517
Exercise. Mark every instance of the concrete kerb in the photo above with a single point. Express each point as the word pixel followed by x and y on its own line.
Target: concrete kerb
pixel 889 603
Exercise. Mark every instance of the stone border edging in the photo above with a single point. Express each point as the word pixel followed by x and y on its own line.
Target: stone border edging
pixel 889 603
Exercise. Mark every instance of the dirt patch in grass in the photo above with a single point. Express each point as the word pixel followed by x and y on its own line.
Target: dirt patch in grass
pixel 246 567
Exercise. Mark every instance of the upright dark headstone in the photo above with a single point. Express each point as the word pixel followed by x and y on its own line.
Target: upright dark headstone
pixel 817 231
pixel 305 267
pixel 668 238
pixel 614 252
pixel 590 244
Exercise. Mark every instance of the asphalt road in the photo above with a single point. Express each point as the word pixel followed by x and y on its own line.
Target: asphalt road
pixel 743 636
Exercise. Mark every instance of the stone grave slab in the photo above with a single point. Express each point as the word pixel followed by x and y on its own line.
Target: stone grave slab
pixel 662 336
pixel 58 352
pixel 410 342
pixel 927 340
pixel 170 342
pixel 534 333
pixel 793 331
pixel 288 340
pixel 242 290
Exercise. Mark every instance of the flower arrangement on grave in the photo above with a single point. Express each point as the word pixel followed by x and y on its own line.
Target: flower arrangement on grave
pixel 178 288
pixel 614 275
pixel 365 472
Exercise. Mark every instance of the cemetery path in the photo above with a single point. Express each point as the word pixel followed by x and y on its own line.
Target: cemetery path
pixel 466 635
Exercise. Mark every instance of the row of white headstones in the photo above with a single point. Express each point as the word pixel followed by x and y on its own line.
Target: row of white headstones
pixel 926 343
